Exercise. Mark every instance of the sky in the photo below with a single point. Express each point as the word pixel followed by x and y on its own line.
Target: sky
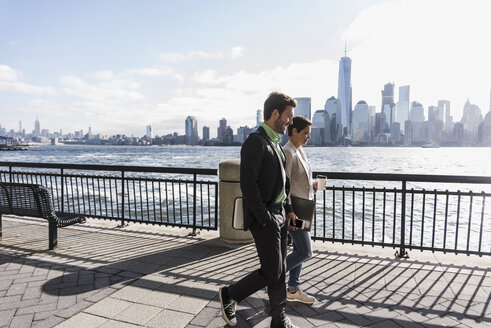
pixel 118 65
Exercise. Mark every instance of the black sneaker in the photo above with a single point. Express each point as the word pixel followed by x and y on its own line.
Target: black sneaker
pixel 228 307
pixel 286 323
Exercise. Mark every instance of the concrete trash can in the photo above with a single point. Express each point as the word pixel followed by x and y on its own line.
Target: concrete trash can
pixel 229 189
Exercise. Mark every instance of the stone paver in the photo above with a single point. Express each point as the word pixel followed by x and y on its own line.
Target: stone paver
pixel 102 276
pixel 138 314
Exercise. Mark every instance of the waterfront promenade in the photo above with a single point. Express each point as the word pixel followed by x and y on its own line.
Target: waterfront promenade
pixel 149 276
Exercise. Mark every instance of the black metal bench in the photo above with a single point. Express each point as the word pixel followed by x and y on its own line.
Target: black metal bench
pixel 23 199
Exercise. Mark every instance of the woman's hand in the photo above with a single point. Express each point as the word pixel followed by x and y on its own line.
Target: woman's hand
pixel 315 185
pixel 291 217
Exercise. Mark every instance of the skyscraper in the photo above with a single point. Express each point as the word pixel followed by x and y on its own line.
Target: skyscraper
pixel 344 95
pixel 444 107
pixel 360 123
pixel 259 118
pixel 222 130
pixel 149 132
pixel 303 108
pixel 471 118
pixel 318 127
pixel 402 111
pixel 332 106
pixel 388 105
pixel 417 112
pixel 206 133
pixel 37 127
pixel 191 130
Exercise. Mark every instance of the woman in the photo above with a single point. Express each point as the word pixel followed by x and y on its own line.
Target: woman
pixel 301 185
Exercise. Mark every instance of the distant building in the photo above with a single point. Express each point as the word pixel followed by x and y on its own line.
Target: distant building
pixel 229 136
pixel 371 118
pixel 37 128
pixel 484 132
pixel 304 106
pixel 417 112
pixel 458 132
pixel 332 106
pixel 432 113
pixel 388 105
pixel 206 133
pixel 222 130
pixel 379 124
pixel 330 131
pixel 418 133
pixel 343 117
pixel 444 106
pixel 408 134
pixel 395 133
pixel 360 130
pixel 471 119
pixel 242 134
pixel 149 132
pixel 191 130
pixel 318 119
pixel 259 118
pixel 318 128
pixel 402 108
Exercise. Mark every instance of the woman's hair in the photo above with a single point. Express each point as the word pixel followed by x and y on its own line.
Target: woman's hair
pixel 299 123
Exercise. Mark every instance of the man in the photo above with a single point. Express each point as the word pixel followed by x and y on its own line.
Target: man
pixel 265 187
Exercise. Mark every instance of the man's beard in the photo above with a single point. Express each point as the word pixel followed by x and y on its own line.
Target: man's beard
pixel 279 126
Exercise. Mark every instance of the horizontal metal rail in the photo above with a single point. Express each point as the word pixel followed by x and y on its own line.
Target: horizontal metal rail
pixel 152 195
pixel 415 218
pixel 420 213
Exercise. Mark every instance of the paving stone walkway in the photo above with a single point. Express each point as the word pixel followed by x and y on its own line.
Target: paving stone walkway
pixel 144 276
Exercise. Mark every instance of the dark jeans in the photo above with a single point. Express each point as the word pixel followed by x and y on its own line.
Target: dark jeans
pixel 271 249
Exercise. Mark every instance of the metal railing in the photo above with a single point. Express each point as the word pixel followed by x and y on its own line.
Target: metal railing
pixel 406 217
pixel 156 195
pixel 388 210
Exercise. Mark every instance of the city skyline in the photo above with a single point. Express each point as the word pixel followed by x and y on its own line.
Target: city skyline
pixel 126 71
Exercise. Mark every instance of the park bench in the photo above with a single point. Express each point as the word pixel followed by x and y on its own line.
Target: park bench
pixel 23 199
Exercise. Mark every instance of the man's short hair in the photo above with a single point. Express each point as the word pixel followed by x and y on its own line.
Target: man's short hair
pixel 279 101
pixel 299 123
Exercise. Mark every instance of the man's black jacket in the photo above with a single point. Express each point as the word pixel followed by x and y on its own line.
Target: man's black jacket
pixel 260 179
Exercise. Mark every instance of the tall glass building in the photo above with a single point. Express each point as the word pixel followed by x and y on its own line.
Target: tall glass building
pixel 388 105
pixel 344 95
pixel 191 130
pixel 304 105
pixel 402 113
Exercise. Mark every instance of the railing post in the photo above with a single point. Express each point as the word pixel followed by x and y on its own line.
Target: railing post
pixel 62 209
pixel 122 198
pixel 402 251
pixel 10 174
pixel 194 205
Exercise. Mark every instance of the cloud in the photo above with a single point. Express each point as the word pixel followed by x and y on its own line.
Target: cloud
pixel 237 52
pixel 176 57
pixel 157 72
pixel 12 81
pixel 237 96
pixel 440 48
pixel 110 91
pixel 104 75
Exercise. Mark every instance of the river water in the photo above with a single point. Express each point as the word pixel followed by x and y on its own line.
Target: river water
pixel 400 160
pixel 403 160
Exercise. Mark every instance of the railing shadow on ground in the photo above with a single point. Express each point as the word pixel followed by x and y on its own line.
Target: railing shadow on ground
pixel 403 285
pixel 359 288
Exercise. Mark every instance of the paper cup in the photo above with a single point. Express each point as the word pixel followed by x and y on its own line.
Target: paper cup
pixel 321 182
